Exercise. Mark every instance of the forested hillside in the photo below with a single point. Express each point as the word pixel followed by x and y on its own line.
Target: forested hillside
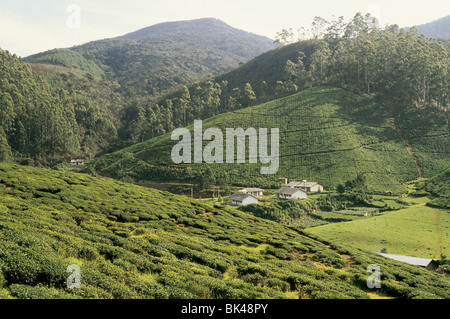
pixel 134 242
pixel 401 70
pixel 43 124
pixel 162 57
pixel 123 76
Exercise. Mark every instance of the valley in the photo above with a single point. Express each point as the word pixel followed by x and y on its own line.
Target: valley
pixel 195 160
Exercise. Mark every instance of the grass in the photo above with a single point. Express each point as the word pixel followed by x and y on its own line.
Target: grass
pixel 417 230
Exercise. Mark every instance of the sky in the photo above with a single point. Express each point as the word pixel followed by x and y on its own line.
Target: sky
pixel 32 26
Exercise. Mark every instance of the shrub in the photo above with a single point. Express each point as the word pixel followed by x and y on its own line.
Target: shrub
pixel 37 292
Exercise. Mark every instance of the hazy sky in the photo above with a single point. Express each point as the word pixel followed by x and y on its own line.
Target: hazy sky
pixel 31 26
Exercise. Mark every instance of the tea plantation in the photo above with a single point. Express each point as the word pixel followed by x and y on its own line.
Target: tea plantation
pixel 326 135
pixel 134 242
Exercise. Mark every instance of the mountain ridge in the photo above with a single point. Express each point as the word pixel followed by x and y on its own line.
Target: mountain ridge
pixel 158 58
pixel 439 28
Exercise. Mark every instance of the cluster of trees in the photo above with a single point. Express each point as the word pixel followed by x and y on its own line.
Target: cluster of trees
pixel 323 29
pixel 43 123
pixel 145 119
pixel 358 185
pixel 401 67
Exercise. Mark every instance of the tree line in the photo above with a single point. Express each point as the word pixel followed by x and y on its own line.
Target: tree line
pixel 42 124
pixel 400 68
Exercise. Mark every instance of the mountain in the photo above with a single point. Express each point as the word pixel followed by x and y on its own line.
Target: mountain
pixel 159 58
pixel 326 134
pixel 439 29
pixel 127 242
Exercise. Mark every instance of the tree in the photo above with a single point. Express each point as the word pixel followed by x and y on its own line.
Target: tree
pixel 336 29
pixel 185 105
pixel 319 26
pixel 5 149
pixel 7 113
pixel 319 62
pixel 249 97
pixel 340 189
pixel 284 37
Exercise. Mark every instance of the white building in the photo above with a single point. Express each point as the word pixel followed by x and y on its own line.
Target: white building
pixel 255 192
pixel 290 193
pixel 417 261
pixel 242 199
pixel 309 187
pixel 77 161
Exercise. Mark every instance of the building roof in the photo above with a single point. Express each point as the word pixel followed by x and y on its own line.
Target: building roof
pixel 240 197
pixel 76 160
pixel 302 184
pixel 288 191
pixel 252 190
pixel 409 259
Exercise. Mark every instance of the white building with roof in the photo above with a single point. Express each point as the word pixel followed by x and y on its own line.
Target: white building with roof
pixel 290 193
pixel 256 192
pixel 427 263
pixel 309 187
pixel 242 199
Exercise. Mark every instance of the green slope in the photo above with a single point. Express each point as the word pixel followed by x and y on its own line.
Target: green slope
pixel 326 135
pixel 135 242
pixel 414 231
pixel 68 59
pixel 164 56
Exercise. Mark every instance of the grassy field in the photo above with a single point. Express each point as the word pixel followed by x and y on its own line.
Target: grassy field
pixel 136 242
pixel 417 230
pixel 326 135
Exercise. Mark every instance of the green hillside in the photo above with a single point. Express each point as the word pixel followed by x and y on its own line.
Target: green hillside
pixel 416 230
pixel 156 59
pixel 326 135
pixel 439 187
pixel 135 242
pixel 68 59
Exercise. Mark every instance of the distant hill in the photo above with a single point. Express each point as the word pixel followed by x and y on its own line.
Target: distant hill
pixel 326 135
pixel 439 29
pixel 161 57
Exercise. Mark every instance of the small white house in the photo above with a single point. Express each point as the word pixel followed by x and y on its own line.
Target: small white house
pixel 77 161
pixel 427 263
pixel 290 193
pixel 309 187
pixel 242 199
pixel 255 192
